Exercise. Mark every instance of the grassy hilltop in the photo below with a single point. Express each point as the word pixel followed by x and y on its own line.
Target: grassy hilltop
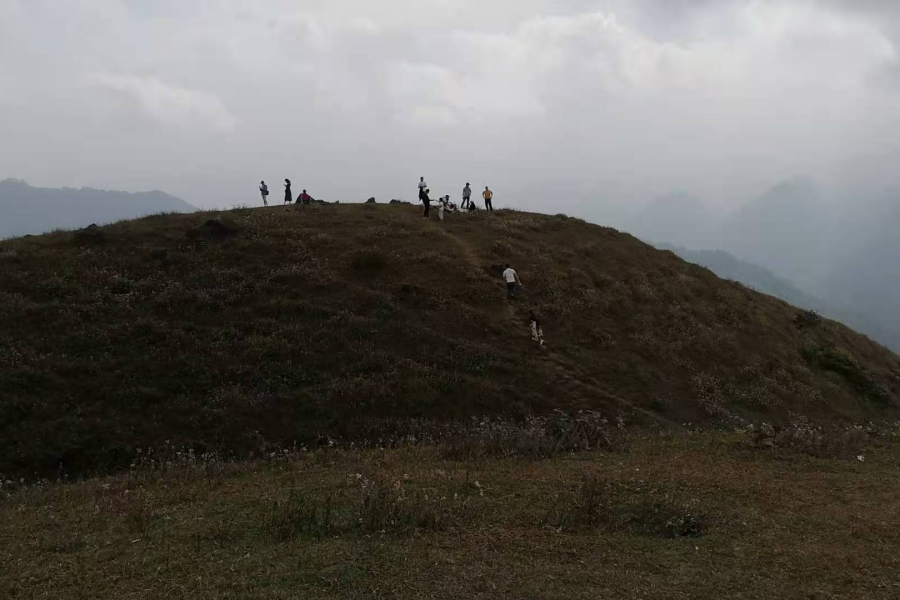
pixel 278 325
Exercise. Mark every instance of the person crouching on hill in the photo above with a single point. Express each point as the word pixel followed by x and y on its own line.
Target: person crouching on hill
pixel 304 198
pixel 537 330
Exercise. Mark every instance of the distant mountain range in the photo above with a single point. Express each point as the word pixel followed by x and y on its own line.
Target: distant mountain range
pixel 762 280
pixel 30 210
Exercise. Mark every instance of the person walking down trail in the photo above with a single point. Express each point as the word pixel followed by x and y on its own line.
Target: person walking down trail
pixel 288 196
pixel 488 196
pixel 264 190
pixel 512 282
pixel 467 196
pixel 304 198
pixel 423 196
pixel 537 331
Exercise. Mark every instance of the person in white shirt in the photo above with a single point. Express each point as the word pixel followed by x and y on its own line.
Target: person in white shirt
pixel 537 330
pixel 467 196
pixel 512 282
pixel 422 184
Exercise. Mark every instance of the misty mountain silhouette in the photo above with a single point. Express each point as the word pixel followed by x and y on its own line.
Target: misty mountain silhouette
pixel 677 218
pixel 25 209
pixel 786 230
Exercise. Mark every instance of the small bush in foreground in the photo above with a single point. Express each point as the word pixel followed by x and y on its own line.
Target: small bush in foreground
pixel 299 515
pixel 599 504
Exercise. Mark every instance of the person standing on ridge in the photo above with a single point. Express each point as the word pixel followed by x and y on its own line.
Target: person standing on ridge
pixel 488 196
pixel 467 196
pixel 512 282
pixel 264 190
pixel 288 196
pixel 423 194
pixel 422 186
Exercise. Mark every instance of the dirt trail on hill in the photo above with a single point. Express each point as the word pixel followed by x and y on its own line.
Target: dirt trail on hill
pixel 572 378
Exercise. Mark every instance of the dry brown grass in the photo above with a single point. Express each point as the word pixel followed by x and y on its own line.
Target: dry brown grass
pixel 706 516
pixel 299 325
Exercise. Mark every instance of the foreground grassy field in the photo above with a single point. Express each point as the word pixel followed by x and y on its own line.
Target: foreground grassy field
pixel 298 324
pixel 705 516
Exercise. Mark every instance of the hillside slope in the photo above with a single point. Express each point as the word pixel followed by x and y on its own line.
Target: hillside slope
pixel 279 325
pixel 29 210
pixel 758 278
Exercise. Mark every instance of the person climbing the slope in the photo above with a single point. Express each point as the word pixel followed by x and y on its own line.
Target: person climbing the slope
pixel 423 196
pixel 537 331
pixel 288 196
pixel 512 282
pixel 488 195
pixel 264 190
pixel 467 196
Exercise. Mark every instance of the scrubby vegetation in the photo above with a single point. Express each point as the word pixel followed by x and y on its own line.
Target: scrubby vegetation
pixel 240 332
pixel 706 516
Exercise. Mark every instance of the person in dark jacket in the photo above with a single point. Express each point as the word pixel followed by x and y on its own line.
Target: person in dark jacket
pixel 423 196
pixel 288 196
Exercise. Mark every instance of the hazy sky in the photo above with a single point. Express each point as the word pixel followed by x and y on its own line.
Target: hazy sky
pixel 559 105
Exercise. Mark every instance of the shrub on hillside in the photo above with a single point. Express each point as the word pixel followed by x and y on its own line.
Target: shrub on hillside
pixel 369 261
pixel 807 319
pixel 214 229
pixel 836 360
pixel 537 437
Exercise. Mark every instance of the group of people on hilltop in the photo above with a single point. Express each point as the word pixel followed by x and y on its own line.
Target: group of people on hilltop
pixel 303 198
pixel 510 276
pixel 444 202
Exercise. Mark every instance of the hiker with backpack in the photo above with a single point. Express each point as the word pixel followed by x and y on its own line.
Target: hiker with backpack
pixel 488 195
pixel 512 282
pixel 288 196
pixel 264 190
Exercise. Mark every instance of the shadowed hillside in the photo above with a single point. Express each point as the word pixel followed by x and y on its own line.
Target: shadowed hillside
pixel 762 280
pixel 281 325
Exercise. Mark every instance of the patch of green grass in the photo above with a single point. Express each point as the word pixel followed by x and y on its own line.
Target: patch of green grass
pixel 836 360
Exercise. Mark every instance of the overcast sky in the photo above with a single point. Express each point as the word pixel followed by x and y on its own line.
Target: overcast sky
pixel 572 106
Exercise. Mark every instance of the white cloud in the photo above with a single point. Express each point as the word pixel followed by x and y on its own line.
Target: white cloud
pixel 167 104
pixel 717 97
